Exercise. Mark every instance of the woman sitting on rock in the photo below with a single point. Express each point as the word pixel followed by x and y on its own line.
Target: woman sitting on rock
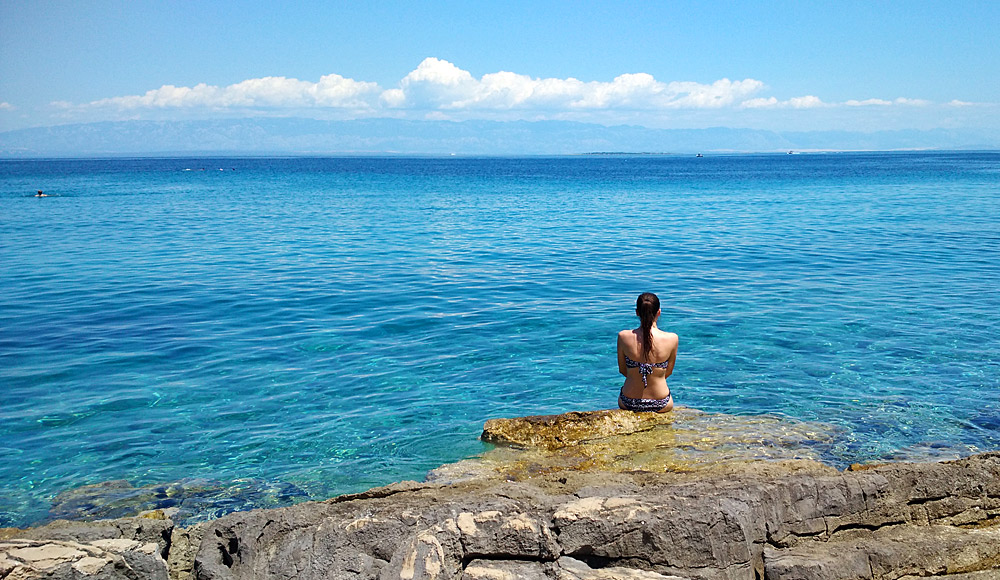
pixel 646 358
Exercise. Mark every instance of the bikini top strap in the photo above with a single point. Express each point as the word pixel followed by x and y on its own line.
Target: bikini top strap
pixel 645 369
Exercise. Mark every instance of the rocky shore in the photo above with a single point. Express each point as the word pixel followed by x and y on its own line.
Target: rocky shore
pixel 581 496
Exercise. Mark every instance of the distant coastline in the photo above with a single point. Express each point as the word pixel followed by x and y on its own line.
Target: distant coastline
pixel 237 154
pixel 310 137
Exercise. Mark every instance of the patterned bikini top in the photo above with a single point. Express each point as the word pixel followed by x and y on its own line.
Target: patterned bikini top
pixel 645 368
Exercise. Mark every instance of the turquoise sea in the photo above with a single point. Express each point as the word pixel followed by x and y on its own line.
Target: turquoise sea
pixel 332 324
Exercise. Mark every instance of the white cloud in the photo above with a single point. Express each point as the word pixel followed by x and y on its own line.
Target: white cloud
pixel 5 106
pixel 958 103
pixel 434 83
pixel 913 102
pixel 721 93
pixel 885 103
pixel 439 84
pixel 267 92
pixel 760 103
pixel 868 103
pixel 438 71
pixel 393 97
pixel 806 102
pixel 812 102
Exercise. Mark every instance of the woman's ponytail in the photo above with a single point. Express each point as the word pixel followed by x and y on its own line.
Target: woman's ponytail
pixel 646 307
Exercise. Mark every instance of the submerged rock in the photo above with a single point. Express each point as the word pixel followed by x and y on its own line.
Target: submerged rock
pixel 189 500
pixel 684 440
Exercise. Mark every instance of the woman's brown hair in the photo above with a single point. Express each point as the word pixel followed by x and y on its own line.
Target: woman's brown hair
pixel 646 307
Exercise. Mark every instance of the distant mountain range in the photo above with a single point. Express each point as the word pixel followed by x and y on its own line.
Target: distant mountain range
pixel 297 136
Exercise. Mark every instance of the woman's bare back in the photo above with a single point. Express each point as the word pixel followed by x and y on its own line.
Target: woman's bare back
pixel 661 356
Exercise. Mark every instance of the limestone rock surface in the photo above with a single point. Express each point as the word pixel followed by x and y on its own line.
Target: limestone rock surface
pixel 564 568
pixel 141 529
pixel 889 553
pixel 789 520
pixel 692 500
pixel 108 559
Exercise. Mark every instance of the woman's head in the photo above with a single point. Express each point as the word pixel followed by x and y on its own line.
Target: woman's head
pixel 647 308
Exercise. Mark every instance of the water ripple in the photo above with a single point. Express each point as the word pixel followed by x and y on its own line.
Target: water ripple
pixel 342 323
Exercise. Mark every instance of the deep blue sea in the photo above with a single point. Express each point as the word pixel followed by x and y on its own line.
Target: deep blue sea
pixel 341 323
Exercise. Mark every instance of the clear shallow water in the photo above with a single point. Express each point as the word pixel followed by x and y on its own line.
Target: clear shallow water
pixel 343 323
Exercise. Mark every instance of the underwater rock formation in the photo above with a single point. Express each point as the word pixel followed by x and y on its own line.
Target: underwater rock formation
pixel 190 500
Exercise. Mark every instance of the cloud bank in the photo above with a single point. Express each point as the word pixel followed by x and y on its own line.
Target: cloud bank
pixel 438 89
pixel 438 85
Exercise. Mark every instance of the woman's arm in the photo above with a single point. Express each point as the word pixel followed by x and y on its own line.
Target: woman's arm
pixel 672 358
pixel 621 357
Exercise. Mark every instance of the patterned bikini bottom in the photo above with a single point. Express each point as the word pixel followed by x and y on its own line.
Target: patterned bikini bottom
pixel 642 405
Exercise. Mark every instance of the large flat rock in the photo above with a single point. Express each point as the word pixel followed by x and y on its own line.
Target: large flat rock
pixel 556 431
pixel 685 440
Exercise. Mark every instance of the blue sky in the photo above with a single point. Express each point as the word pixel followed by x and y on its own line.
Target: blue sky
pixel 775 65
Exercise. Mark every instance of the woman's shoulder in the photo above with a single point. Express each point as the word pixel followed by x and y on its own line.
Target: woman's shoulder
pixel 671 336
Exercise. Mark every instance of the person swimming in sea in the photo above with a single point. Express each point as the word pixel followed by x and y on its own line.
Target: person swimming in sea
pixel 646 358
pixel 41 194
